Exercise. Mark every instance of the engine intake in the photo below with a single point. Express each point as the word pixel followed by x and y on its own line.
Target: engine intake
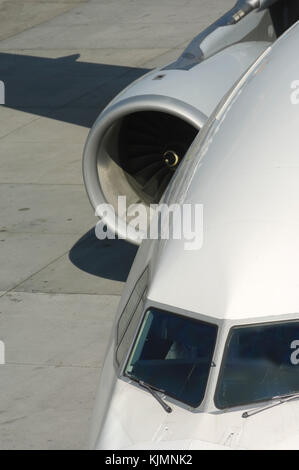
pixel 139 140
pixel 150 147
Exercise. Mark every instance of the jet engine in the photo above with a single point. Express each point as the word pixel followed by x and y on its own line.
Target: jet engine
pixel 139 140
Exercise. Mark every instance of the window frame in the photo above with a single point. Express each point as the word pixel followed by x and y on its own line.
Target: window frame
pixel 142 298
pixel 224 356
pixel 138 331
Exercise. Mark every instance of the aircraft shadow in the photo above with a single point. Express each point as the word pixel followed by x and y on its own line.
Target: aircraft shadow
pixel 63 88
pixel 110 259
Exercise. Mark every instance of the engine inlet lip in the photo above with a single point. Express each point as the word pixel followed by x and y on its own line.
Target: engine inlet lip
pixel 118 109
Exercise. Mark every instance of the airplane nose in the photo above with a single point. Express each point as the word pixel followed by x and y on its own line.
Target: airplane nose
pixel 113 435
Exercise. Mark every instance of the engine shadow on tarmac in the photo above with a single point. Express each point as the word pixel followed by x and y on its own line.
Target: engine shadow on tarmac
pixel 110 259
pixel 63 89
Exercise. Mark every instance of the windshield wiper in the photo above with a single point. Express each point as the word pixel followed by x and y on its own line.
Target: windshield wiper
pixel 282 399
pixel 153 391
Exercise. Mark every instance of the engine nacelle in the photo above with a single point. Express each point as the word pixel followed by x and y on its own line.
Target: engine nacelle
pixel 139 140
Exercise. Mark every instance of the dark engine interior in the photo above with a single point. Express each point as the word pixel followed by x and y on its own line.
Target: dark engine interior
pixel 151 147
pixel 284 14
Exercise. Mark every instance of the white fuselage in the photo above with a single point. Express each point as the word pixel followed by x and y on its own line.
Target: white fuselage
pixel 244 169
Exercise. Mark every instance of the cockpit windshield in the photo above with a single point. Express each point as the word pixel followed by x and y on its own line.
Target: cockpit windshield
pixel 260 362
pixel 174 353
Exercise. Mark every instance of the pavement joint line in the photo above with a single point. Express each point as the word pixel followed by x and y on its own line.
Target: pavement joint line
pixel 120 23
pixel 56 366
pixel 34 274
pixel 3 294
pixel 40 141
pixel 172 49
pixel 25 108
pixel 20 127
pixel 42 22
pixel 43 184
pixel 59 293
pixel 87 48
pixel 16 232
pixel 14 288
pixel 12 232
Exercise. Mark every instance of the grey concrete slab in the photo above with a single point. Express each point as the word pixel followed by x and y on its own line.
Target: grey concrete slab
pixel 54 348
pixel 20 15
pixel 126 12
pixel 49 130
pixel 24 254
pixel 40 208
pixel 56 329
pixel 92 266
pixel 106 35
pixel 33 162
pixel 46 407
pixel 10 120
pixel 167 25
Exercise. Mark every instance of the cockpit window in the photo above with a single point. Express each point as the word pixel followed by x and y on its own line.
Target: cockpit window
pixel 260 362
pixel 174 354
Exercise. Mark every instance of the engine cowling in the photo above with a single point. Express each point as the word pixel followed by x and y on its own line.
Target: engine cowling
pixel 139 140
